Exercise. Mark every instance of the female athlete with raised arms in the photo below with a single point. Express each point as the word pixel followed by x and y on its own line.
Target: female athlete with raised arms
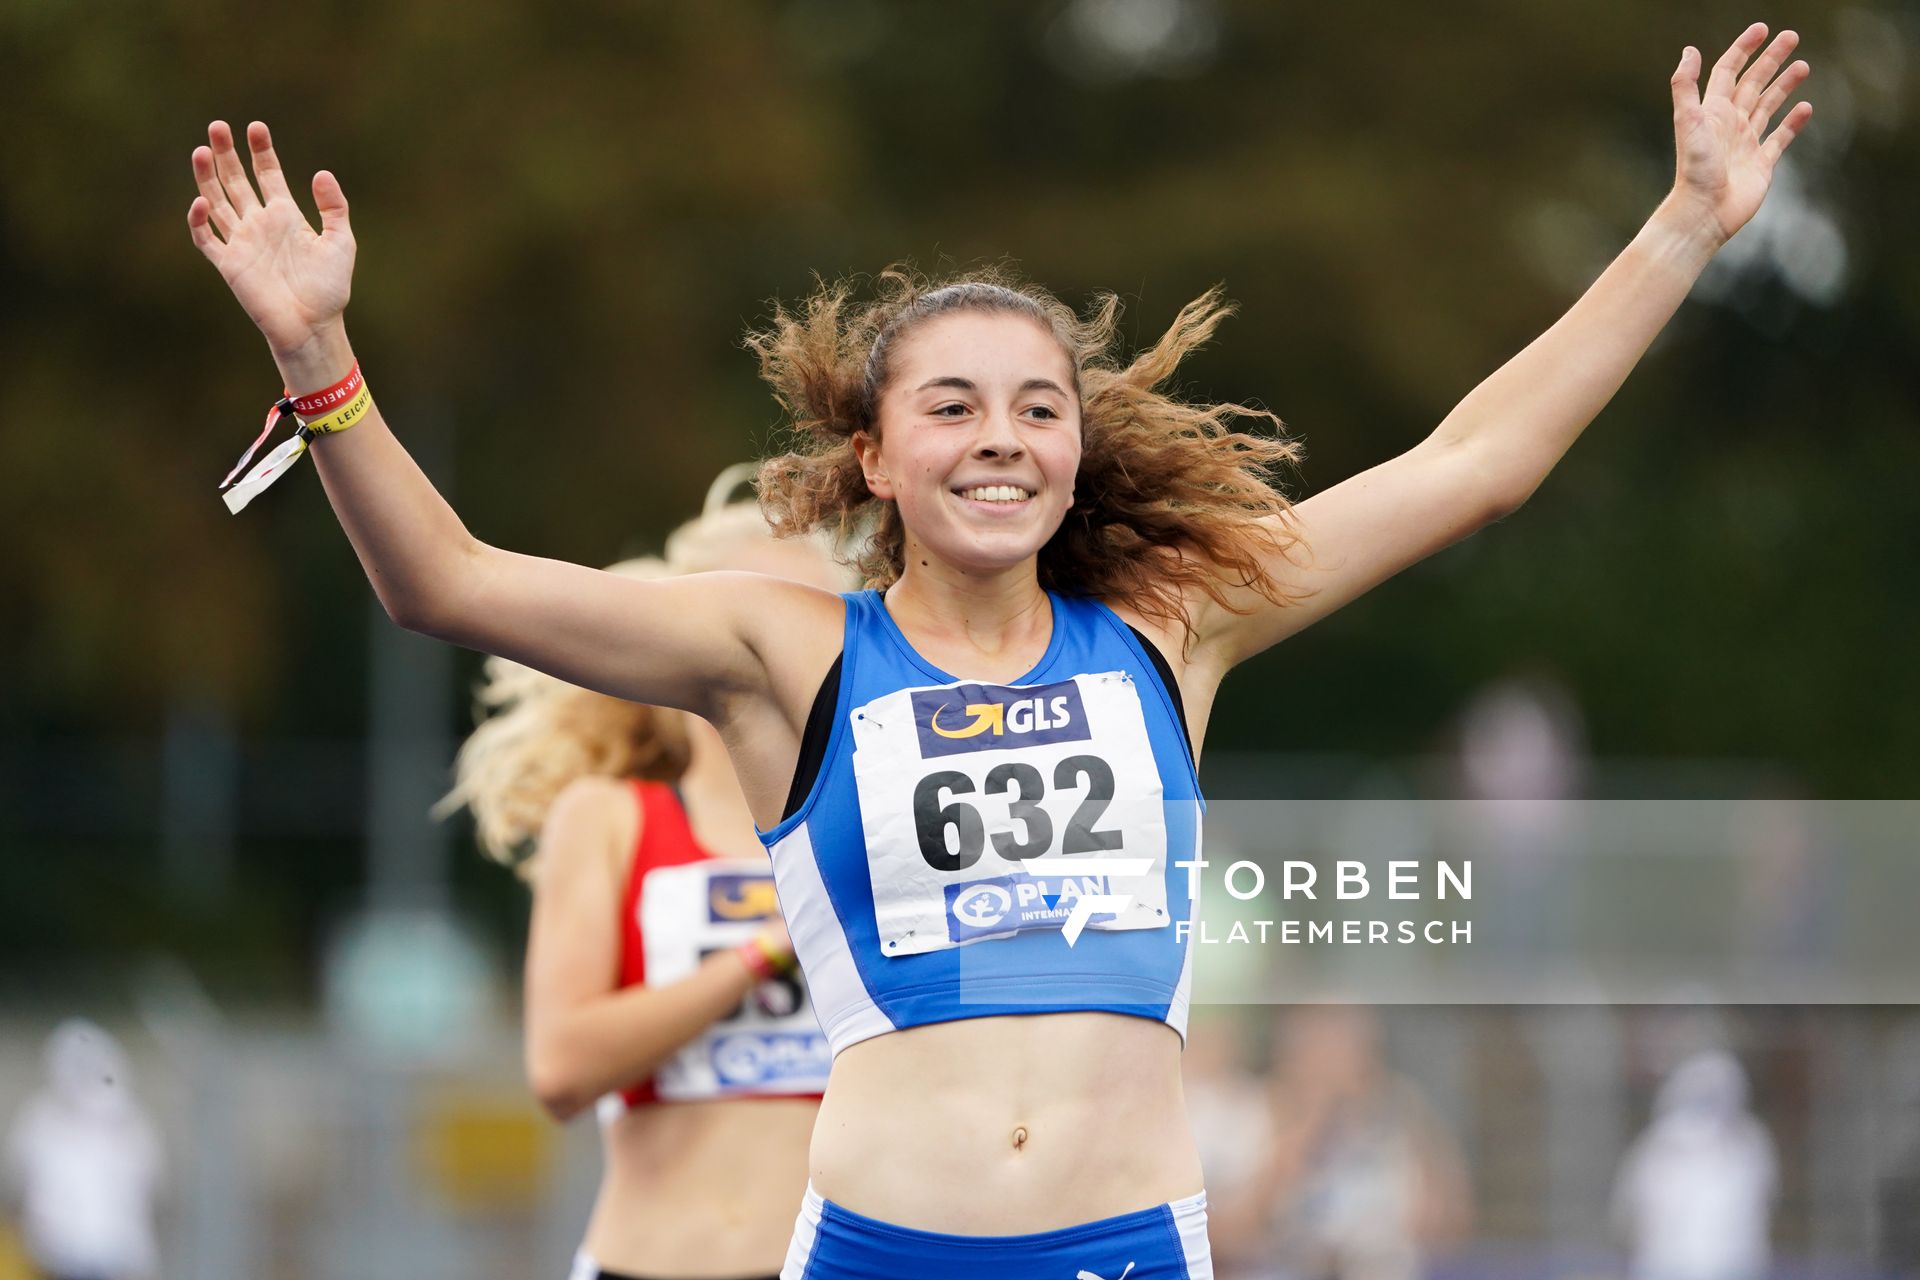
pixel 978 870
pixel 658 977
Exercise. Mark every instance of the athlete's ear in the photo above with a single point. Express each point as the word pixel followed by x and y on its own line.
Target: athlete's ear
pixel 867 449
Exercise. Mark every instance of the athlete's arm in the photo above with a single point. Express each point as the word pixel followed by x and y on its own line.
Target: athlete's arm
pixel 585 1036
pixel 1493 450
pixel 686 642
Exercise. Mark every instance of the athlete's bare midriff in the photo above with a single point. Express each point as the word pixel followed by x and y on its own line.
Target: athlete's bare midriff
pixel 696 1189
pixel 1007 1125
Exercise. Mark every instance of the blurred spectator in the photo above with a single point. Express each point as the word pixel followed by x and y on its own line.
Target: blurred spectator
pixel 1522 739
pixel 1228 1106
pixel 1695 1192
pixel 1363 1178
pixel 1784 923
pixel 83 1164
pixel 1523 762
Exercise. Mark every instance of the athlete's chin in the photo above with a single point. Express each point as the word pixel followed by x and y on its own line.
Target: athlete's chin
pixel 992 554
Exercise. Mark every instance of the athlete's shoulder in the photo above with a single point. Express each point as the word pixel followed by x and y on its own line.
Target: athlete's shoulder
pixel 595 796
pixel 747 605
pixel 595 820
pixel 794 611
pixel 1196 667
pixel 1168 635
pixel 796 630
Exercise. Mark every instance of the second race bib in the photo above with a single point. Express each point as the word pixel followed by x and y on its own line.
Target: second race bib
pixel 772 1043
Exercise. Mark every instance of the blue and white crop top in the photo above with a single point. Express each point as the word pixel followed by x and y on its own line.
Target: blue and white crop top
pixel 969 850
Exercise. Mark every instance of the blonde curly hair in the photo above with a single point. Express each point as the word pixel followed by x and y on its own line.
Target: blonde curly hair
pixel 537 734
pixel 1171 497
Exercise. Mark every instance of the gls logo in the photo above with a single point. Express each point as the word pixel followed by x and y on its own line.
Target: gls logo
pixel 733 896
pixel 1023 716
pixel 987 717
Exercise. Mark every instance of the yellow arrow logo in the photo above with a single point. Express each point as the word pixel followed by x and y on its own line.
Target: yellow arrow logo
pixel 985 715
pixel 751 900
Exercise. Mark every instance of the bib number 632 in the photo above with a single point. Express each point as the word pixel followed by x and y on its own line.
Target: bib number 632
pixel 939 808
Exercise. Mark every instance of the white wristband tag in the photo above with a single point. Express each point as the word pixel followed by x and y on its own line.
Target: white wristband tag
pixel 265 472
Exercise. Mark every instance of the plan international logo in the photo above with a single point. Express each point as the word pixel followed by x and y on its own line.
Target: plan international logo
pixel 995 717
pixel 1061 893
pixel 745 1059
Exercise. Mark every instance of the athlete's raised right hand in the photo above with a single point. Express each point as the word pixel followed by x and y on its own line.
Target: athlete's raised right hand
pixel 293 283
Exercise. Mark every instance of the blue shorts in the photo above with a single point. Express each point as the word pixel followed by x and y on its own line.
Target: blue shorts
pixel 1167 1242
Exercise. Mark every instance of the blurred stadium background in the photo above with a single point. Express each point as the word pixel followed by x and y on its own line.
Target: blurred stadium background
pixel 216 757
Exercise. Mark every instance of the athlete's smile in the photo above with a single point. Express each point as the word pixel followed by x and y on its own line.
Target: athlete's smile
pixel 997 498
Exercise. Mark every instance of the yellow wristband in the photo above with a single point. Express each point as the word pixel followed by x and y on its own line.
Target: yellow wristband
pixel 781 964
pixel 347 415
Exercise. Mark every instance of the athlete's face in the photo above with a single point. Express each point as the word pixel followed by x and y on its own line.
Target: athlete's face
pixel 979 439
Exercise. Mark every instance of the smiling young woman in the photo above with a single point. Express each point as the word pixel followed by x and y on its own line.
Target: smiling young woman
pixel 982 895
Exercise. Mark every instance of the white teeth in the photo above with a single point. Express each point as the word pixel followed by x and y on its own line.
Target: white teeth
pixel 996 493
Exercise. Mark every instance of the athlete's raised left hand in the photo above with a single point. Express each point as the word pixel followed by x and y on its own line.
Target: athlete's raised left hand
pixel 1724 153
pixel 292 281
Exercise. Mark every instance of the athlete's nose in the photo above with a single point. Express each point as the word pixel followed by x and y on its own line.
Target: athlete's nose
pixel 998 439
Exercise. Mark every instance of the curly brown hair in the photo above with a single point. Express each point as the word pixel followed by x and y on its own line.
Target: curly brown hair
pixel 1171 497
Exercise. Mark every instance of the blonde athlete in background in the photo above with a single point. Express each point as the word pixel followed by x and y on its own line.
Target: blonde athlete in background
pixel 658 978
pixel 982 876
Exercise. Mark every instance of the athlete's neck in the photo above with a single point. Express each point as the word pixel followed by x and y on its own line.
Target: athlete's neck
pixel 989 619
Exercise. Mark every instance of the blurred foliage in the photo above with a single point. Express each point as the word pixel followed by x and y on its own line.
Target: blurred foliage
pixel 568 214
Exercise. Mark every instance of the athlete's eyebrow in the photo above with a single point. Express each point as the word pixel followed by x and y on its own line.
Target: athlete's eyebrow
pixel 967 384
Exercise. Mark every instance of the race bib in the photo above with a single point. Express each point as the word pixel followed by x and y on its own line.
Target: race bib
pixel 772 1043
pixel 991 810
